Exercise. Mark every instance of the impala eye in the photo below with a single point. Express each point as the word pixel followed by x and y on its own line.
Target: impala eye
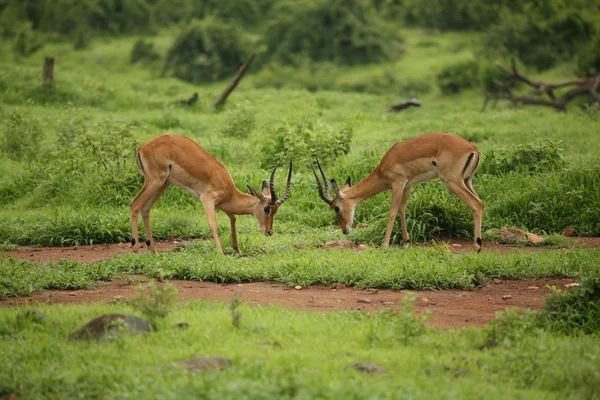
pixel 267 210
pixel 337 209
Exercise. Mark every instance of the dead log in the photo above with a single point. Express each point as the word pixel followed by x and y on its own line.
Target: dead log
pixel 188 102
pixel 412 102
pixel 234 82
pixel 48 73
pixel 537 95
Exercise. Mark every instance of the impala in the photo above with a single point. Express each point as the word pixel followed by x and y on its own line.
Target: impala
pixel 435 155
pixel 176 160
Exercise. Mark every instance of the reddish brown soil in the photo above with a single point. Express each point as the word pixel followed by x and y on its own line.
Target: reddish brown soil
pixel 449 308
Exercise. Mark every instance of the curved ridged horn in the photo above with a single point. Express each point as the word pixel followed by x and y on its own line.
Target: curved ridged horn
pixel 324 193
pixel 336 188
pixel 272 184
pixel 288 187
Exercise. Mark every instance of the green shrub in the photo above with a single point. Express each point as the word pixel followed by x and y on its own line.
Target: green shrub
pixel 574 311
pixel 143 51
pixel 22 136
pixel 542 155
pixel 206 50
pixel 458 77
pixel 27 40
pixel 542 34
pixel 240 121
pixel 588 59
pixel 339 31
pixel 302 138
pixel 155 301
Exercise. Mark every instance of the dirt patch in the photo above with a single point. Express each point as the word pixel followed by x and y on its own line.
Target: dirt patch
pixel 101 252
pixel 449 308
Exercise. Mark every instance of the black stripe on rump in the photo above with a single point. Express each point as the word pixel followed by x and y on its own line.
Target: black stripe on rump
pixel 468 162
pixel 140 162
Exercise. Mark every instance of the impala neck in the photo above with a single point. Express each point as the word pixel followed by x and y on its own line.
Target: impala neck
pixel 239 203
pixel 368 187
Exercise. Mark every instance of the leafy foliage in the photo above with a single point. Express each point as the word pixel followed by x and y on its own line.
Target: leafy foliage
pixel 206 50
pixel 22 136
pixel 143 50
pixel 457 77
pixel 328 31
pixel 542 155
pixel 574 311
pixel 155 301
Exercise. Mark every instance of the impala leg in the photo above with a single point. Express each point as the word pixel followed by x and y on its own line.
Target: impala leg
pixel 402 210
pixel 209 209
pixel 234 242
pixel 146 216
pixel 137 204
pixel 470 197
pixel 397 191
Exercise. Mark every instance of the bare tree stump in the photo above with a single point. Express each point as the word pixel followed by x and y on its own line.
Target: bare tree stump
pixel 48 73
pixel 234 82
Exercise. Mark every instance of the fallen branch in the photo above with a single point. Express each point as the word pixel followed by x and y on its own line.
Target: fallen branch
pixel 583 86
pixel 413 102
pixel 234 82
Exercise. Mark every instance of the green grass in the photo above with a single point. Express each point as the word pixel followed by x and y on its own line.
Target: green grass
pixel 278 353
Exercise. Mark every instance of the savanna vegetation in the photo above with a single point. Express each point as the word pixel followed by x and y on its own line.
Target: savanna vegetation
pixel 324 74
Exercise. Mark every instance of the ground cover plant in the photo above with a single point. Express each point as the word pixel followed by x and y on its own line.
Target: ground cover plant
pixel 122 72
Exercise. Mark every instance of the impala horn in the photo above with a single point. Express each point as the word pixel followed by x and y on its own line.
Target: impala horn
pixel 286 195
pixel 324 193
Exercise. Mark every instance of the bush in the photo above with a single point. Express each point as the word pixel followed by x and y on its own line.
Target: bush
pixel 27 41
pixel 588 60
pixel 206 50
pixel 339 31
pixel 22 136
pixel 300 139
pixel 542 33
pixel 542 155
pixel 240 121
pixel 143 51
pixel 574 311
pixel 458 77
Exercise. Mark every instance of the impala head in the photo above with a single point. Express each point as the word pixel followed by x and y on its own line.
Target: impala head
pixel 343 207
pixel 268 202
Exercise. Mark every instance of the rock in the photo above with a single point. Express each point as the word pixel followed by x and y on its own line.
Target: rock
pixel 496 281
pixel 365 301
pixel 424 300
pixel 300 246
pixel 360 247
pixel 72 294
pixel 480 280
pixel 514 235
pixel 209 363
pixel 532 287
pixel 298 287
pixel 340 286
pixel 388 303
pixel 506 297
pixel 570 232
pixel 33 315
pixel 110 326
pixel 339 244
pixel 570 285
pixel 535 239
pixel 181 325
pixel 372 291
pixel 369 368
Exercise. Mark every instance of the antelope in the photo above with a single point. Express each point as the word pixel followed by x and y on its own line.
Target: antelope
pixel 176 160
pixel 435 155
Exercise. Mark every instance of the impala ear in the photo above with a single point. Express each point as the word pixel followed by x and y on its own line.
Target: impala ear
pixel 347 185
pixel 255 193
pixel 265 189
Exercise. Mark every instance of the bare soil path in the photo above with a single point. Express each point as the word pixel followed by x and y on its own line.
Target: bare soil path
pixel 448 308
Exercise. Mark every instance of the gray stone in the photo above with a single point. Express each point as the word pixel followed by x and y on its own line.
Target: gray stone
pixel 111 326
pixel 207 363
pixel 369 368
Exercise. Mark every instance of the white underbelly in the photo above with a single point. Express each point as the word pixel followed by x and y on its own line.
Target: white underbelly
pixel 424 177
